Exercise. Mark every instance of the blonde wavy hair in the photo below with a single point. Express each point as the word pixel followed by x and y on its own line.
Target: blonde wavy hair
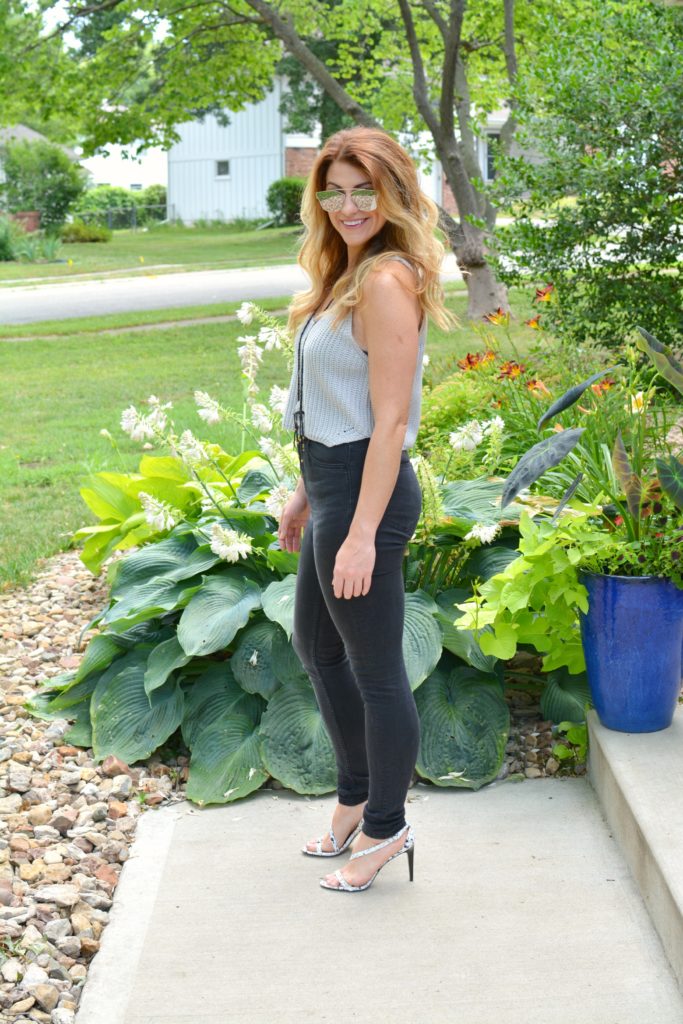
pixel 411 217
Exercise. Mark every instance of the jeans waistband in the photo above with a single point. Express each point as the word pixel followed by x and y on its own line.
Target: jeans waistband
pixel 347 449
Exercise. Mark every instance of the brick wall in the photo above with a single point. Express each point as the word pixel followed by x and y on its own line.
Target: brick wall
pixel 299 160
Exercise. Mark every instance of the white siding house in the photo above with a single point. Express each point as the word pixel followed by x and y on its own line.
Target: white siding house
pixel 219 173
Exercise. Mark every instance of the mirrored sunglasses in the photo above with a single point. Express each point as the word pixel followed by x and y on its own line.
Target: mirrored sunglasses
pixel 365 199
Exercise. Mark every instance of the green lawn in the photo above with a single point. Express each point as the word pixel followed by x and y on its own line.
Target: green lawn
pixel 61 393
pixel 193 248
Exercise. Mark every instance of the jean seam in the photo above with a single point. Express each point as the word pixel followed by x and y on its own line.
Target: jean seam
pixel 316 639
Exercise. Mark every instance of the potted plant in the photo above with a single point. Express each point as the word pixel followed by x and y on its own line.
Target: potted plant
pixel 632 623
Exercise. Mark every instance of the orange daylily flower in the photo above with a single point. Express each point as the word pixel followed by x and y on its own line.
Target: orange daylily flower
pixel 474 359
pixel 497 318
pixel 534 322
pixel 543 294
pixel 511 369
pixel 602 385
pixel 537 386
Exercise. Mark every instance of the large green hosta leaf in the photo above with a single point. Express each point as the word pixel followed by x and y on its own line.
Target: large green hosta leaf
pixel 217 611
pixel 149 599
pixel 278 602
pixel 210 696
pixel 226 761
pixel 174 558
pixel 257 481
pixel 295 745
pixel 286 662
pixel 422 643
pixel 251 661
pixel 128 723
pixel 461 641
pixel 564 696
pixel 467 502
pixel 464 726
pixel 80 732
pixel 164 659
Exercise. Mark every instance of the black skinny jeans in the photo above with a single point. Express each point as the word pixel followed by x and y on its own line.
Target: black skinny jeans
pixel 351 647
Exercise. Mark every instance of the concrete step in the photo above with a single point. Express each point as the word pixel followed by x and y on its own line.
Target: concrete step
pixel 638 779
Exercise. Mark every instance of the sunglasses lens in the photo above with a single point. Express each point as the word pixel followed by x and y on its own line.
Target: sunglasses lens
pixel 331 200
pixel 365 199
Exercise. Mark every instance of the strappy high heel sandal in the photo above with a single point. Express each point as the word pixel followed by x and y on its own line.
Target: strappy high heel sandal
pixel 408 847
pixel 319 852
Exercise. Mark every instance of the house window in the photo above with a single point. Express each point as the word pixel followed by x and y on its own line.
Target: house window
pixel 136 188
pixel 490 169
pixel 222 168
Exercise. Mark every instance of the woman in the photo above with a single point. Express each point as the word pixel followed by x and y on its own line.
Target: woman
pixel 374 263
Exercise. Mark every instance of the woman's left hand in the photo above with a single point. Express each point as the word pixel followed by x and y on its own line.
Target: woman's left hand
pixel 353 567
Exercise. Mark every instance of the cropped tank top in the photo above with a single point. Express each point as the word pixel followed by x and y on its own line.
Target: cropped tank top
pixel 336 386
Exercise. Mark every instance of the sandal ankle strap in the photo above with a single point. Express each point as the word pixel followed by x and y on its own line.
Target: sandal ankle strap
pixel 378 846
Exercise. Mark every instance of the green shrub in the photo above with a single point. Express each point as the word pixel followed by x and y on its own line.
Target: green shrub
pixel 11 232
pixel 284 200
pixel 77 231
pixel 109 205
pixel 40 176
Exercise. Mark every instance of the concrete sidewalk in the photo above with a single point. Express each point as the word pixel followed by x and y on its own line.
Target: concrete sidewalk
pixel 522 910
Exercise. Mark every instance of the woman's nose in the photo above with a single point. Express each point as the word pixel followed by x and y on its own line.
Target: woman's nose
pixel 349 209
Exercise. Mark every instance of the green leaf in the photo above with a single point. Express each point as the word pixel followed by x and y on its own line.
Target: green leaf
pixel 569 397
pixel 422 638
pixel 285 661
pixel 628 480
pixel 471 501
pixel 174 558
pixel 128 723
pixel 210 696
pixel 219 608
pixel 671 478
pixel 278 602
pixel 226 761
pixel 662 358
pixel 465 724
pixel 564 696
pixel 251 662
pixel 296 747
pixel 460 641
pixel 164 659
pixel 534 463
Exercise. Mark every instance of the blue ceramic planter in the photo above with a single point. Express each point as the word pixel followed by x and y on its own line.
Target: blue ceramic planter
pixel 632 639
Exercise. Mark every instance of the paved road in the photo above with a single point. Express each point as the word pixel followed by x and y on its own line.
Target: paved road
pixel 26 304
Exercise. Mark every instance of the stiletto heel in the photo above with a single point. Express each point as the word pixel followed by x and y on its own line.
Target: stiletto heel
pixel 407 847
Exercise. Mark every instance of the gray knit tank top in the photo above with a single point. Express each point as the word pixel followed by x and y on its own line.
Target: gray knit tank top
pixel 336 387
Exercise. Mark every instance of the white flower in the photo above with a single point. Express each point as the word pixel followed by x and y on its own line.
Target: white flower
pixel 497 424
pixel 138 427
pixel 105 433
pixel 208 408
pixel 189 448
pixel 229 544
pixel 158 514
pixel 246 313
pixel 425 359
pixel 482 533
pixel 271 338
pixel 260 418
pixel 637 402
pixel 277 499
pixel 154 401
pixel 253 659
pixel 267 446
pixel 279 398
pixel 468 437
